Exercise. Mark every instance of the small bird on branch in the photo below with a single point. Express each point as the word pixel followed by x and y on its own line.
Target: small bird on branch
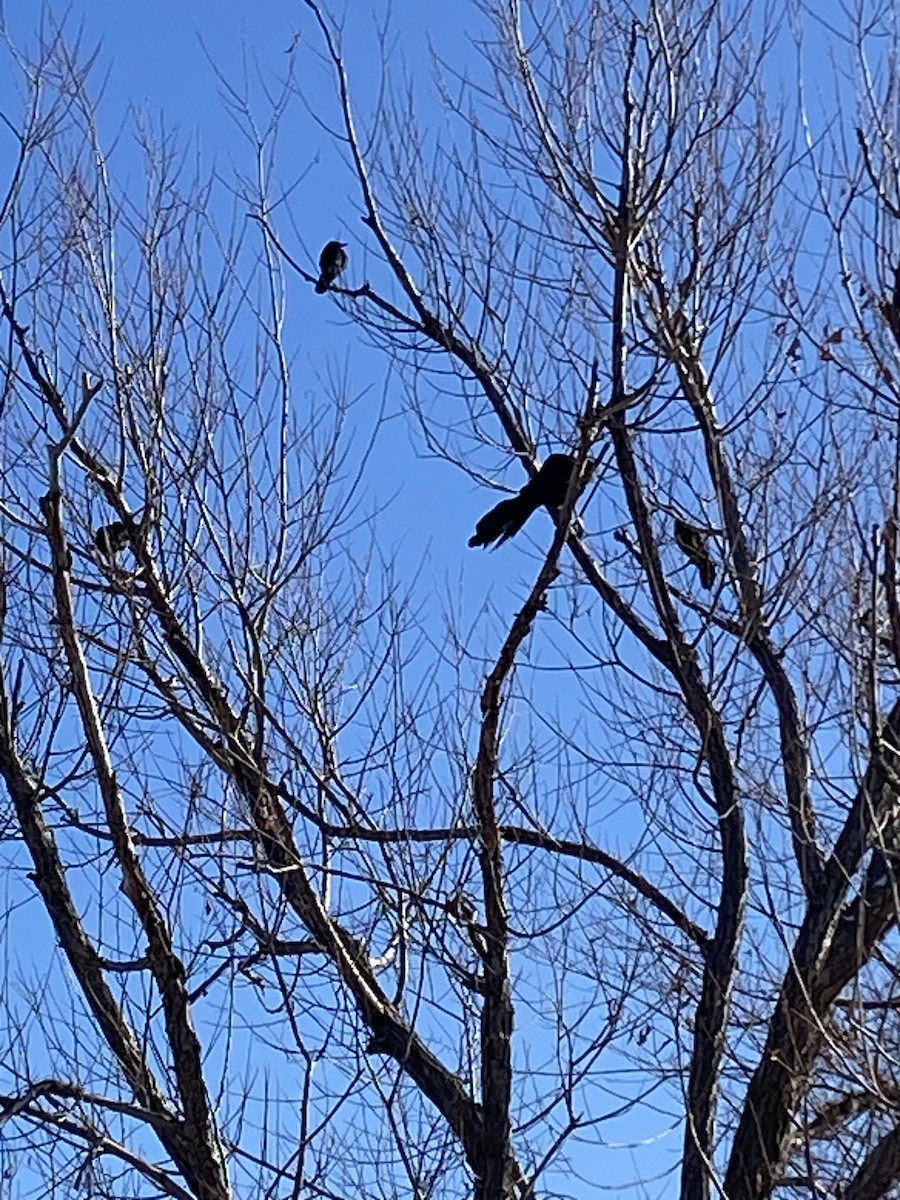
pixel 332 261
pixel 117 536
pixel 110 539
pixel 549 487
pixel 692 542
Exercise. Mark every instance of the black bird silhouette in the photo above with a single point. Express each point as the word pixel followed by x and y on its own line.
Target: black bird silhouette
pixel 332 261
pixel 548 487
pixel 692 542
pixel 110 539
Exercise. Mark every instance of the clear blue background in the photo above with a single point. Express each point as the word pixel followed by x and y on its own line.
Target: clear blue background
pixel 162 59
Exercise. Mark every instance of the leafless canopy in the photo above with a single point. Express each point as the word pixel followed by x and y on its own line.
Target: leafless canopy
pixel 320 885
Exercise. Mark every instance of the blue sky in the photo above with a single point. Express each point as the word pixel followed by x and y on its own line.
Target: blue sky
pixel 161 62
pixel 162 59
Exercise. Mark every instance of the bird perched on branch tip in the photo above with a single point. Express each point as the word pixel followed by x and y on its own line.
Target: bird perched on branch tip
pixel 548 487
pixel 332 261
pixel 692 542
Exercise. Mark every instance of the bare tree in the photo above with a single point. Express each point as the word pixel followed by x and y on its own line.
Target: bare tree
pixel 341 904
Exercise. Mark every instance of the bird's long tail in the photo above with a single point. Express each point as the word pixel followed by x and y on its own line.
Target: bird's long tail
pixel 503 521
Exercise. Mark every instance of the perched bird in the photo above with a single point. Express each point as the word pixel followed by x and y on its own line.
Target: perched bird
pixel 116 536
pixel 548 487
pixel 332 261
pixel 692 542
pixel 110 539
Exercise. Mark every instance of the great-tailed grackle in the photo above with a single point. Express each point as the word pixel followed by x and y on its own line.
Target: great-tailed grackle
pixel 548 487
pixel 692 542
pixel 332 261
pixel 110 539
